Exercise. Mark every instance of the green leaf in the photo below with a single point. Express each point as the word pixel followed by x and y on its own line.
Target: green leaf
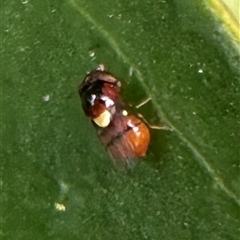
pixel 57 179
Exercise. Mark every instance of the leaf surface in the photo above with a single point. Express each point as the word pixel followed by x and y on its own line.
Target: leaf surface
pixel 188 185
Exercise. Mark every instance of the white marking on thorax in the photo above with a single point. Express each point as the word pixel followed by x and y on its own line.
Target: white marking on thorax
pixel 93 97
pixel 134 127
pixel 108 102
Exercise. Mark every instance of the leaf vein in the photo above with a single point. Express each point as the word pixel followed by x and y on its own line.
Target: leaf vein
pixel 199 157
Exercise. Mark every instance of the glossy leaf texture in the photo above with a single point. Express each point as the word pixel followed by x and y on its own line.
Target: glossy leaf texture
pixel 57 179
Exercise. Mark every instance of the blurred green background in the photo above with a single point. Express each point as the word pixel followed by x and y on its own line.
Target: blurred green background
pixel 173 51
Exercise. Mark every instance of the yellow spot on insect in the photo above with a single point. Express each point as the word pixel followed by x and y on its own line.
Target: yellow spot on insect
pixel 124 113
pixel 103 119
pixel 59 207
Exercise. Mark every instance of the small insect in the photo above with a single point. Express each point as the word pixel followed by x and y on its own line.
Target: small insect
pixel 124 135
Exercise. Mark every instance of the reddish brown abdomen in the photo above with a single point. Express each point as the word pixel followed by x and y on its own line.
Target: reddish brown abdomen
pixel 124 142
